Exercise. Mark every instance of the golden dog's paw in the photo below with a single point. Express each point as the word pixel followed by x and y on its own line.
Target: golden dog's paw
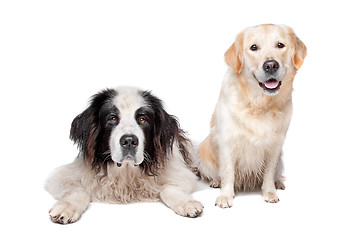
pixel 224 201
pixel 279 185
pixel 191 208
pixel 196 171
pixel 64 213
pixel 270 197
pixel 215 183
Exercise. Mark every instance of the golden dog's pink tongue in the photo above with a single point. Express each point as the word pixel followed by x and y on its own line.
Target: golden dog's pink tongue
pixel 271 84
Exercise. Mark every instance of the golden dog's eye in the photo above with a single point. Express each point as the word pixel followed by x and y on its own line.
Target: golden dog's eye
pixel 141 120
pixel 113 119
pixel 253 47
pixel 280 45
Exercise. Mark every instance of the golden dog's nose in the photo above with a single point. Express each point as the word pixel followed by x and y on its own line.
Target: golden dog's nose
pixel 271 66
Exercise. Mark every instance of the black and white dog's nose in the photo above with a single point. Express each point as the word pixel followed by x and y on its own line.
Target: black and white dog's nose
pixel 271 66
pixel 129 141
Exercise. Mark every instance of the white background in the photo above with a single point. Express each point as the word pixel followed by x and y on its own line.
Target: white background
pixel 55 54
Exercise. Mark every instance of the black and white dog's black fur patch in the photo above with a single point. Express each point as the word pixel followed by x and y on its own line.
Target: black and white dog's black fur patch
pixel 131 150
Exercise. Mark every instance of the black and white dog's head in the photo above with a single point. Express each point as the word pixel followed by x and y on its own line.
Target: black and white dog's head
pixel 127 125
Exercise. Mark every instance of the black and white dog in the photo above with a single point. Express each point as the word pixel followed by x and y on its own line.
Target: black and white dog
pixel 131 150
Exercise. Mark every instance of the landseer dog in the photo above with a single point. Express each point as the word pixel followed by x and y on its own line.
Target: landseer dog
pixel 252 115
pixel 131 150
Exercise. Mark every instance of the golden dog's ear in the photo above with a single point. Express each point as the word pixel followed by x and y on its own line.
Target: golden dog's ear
pixel 233 56
pixel 299 52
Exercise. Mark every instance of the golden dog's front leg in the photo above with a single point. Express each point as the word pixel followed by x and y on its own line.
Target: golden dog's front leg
pixel 227 176
pixel 268 187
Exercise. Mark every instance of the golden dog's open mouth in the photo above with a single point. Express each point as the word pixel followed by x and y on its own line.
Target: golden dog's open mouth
pixel 270 86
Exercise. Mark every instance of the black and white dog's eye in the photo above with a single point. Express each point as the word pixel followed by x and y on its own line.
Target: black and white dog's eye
pixel 113 119
pixel 253 47
pixel 280 45
pixel 141 120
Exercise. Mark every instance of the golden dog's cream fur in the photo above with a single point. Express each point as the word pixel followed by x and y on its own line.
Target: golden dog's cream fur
pixel 248 127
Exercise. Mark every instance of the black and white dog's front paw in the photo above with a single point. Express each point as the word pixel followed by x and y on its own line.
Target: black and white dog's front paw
pixel 64 212
pixel 191 208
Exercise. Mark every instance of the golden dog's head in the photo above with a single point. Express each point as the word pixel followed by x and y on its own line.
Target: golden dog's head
pixel 267 55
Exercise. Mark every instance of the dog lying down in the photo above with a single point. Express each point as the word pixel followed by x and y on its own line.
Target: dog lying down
pixel 131 150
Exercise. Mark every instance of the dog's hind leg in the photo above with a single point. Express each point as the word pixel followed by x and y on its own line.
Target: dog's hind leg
pixel 207 163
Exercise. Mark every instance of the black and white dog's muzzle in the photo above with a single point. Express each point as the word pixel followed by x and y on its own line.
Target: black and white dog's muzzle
pixel 129 145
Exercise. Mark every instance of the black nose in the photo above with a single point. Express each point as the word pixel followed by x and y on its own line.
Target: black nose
pixel 129 141
pixel 271 66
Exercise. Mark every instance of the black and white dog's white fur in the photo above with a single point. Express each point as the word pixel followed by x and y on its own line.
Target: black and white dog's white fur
pixel 131 150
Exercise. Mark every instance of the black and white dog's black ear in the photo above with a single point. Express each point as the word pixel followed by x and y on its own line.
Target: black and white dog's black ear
pixel 165 126
pixel 166 131
pixel 85 127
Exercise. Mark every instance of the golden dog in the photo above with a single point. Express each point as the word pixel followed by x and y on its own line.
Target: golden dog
pixel 252 115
